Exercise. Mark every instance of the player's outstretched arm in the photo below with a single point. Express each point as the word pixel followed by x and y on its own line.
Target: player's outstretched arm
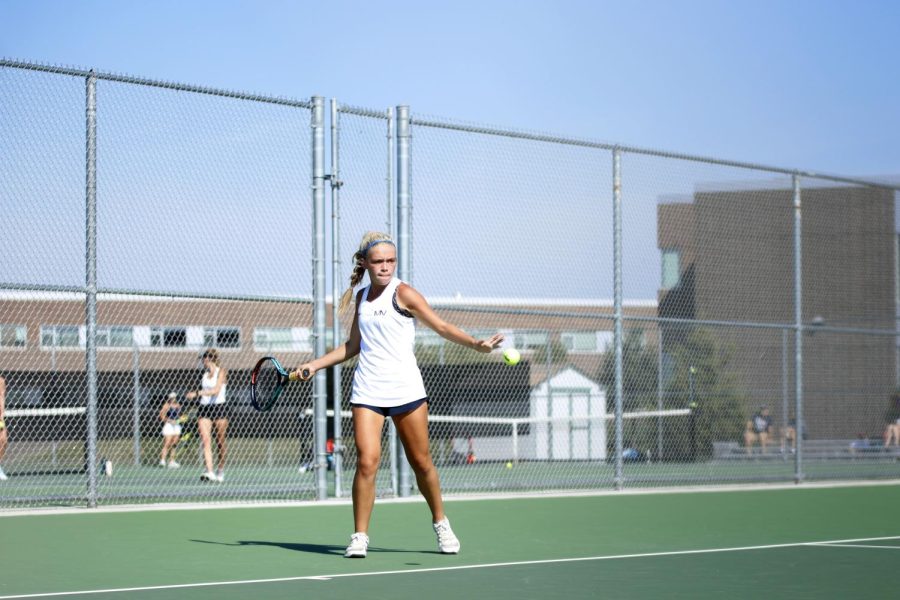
pixel 410 299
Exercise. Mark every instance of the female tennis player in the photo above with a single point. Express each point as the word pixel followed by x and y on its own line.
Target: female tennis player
pixel 387 382
pixel 171 430
pixel 212 412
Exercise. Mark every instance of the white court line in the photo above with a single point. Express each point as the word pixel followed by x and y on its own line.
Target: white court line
pixel 455 568
pixel 853 546
pixel 450 497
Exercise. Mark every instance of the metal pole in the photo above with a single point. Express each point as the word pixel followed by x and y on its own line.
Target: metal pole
pixel 552 424
pixel 320 391
pixel 389 179
pixel 798 332
pixel 136 403
pixel 91 286
pixel 335 296
pixel 404 251
pixel 617 308
pixel 693 406
pixel 784 385
pixel 896 310
pixel 659 391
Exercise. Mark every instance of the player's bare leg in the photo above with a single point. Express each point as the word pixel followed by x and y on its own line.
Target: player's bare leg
pixel 412 428
pixel 204 427
pixel 367 426
pixel 221 446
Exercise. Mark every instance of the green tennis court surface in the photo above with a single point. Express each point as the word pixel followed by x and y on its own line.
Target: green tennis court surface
pixel 809 542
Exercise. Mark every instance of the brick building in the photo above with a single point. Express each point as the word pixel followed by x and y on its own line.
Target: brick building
pixel 728 257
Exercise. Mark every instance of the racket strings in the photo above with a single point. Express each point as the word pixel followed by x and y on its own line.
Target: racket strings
pixel 268 385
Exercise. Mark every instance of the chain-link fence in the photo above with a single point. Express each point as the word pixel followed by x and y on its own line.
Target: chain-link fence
pixel 680 319
pixel 197 236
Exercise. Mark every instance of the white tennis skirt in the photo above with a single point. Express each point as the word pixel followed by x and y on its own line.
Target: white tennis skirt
pixel 171 429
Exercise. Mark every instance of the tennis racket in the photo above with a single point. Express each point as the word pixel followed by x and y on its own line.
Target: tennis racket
pixel 267 382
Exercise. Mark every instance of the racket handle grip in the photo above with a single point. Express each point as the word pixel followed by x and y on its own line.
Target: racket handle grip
pixel 302 375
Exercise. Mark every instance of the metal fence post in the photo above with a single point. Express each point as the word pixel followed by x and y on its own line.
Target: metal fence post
pixel 784 386
pixel 389 178
pixel 338 447
pixel 659 390
pixel 91 285
pixel 798 331
pixel 617 307
pixel 320 391
pixel 404 248
pixel 136 402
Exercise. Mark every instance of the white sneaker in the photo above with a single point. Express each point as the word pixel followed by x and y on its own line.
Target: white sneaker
pixel 209 476
pixel 173 465
pixel 3 476
pixel 162 463
pixel 359 545
pixel 446 539
pixel 220 476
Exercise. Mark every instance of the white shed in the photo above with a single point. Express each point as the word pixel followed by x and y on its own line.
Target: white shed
pixel 567 420
pixel 569 414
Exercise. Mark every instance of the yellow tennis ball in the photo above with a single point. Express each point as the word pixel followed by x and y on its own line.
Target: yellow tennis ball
pixel 511 356
pixel 509 465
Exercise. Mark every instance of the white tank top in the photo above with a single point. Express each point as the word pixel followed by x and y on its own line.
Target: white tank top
pixel 386 374
pixel 208 383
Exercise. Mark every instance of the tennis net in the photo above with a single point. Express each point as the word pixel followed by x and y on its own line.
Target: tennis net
pixel 45 441
pixel 564 438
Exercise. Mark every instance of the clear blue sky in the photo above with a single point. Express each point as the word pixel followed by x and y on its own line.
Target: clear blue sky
pixel 796 84
pixel 799 84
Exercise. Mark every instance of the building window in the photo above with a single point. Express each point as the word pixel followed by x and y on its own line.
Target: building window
pixel 671 269
pixel 589 342
pixel 13 336
pixel 115 337
pixel 168 337
pixel 222 337
pixel 287 339
pixel 530 340
pixel 59 336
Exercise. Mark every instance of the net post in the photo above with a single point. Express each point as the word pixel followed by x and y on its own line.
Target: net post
pixel 515 441
pixel 91 283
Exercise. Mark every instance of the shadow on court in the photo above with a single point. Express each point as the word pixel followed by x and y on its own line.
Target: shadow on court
pixel 310 548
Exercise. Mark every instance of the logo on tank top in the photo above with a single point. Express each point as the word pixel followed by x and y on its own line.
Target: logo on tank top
pixel 379 313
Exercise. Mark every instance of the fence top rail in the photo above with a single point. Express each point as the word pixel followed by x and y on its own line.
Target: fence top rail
pixel 362 111
pixel 67 292
pixel 183 87
pixel 584 143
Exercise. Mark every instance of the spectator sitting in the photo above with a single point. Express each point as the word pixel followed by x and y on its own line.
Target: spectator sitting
pixel 758 428
pixel 860 444
pixel 789 436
